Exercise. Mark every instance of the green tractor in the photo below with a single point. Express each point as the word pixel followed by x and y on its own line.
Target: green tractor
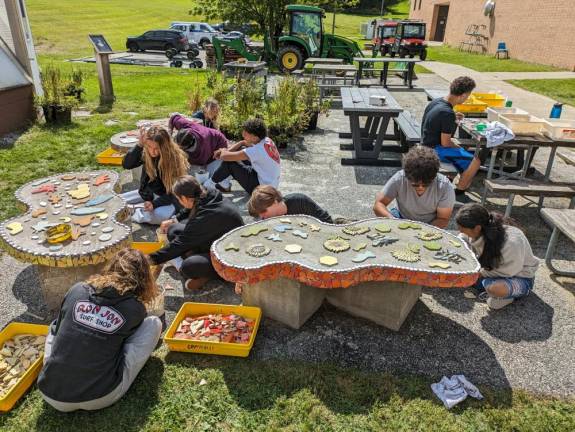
pixel 304 38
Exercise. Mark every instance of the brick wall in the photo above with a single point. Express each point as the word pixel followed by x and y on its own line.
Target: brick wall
pixel 534 30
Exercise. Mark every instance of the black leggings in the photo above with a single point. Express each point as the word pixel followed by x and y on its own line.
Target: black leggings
pixel 244 173
pixel 194 266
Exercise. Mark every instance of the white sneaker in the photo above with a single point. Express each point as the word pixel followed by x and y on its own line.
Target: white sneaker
pixel 498 303
pixel 210 185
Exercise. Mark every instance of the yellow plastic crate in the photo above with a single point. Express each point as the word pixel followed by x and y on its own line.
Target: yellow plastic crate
pixel 110 157
pixel 218 348
pixel 147 247
pixel 16 392
pixel 491 99
pixel 472 105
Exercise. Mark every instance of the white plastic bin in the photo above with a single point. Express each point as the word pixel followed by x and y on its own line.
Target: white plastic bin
pixel 522 124
pixel 560 130
pixel 493 113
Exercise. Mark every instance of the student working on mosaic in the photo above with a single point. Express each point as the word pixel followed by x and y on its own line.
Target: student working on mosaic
pixel 209 114
pixel 200 144
pixel 420 191
pixel 508 265
pixel 252 162
pixel 438 125
pixel 205 218
pixel 266 201
pixel 90 361
pixel 163 162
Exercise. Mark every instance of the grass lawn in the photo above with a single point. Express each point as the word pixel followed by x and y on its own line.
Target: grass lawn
pixel 247 395
pixel 562 90
pixel 483 63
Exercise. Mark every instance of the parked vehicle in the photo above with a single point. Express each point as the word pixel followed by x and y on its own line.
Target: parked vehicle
pixel 383 36
pixel 198 32
pixel 161 40
pixel 409 40
pixel 236 35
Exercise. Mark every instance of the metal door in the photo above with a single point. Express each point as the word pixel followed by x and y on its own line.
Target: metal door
pixel 442 13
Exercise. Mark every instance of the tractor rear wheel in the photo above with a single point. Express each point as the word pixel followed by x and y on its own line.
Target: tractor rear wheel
pixel 290 58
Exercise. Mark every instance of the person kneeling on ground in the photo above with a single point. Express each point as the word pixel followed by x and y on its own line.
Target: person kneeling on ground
pixel 102 336
pixel 421 193
pixel 163 163
pixel 205 218
pixel 200 144
pixel 438 125
pixel 210 114
pixel 266 201
pixel 508 265
pixel 257 164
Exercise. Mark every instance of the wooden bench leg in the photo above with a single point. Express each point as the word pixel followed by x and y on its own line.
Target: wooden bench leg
pixel 509 207
pixel 549 255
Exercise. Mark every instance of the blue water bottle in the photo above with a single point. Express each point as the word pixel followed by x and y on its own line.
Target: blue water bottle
pixel 556 110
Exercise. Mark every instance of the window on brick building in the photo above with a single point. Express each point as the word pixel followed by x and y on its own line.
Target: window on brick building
pixel 419 8
pixel 414 4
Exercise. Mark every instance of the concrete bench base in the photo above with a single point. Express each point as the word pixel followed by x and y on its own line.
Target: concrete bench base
pixel 56 281
pixel 293 303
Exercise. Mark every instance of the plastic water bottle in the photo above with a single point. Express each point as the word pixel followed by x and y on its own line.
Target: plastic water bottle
pixel 556 110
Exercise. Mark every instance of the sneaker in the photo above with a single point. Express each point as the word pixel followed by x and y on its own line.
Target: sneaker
pixel 210 185
pixel 223 189
pixel 498 303
pixel 195 284
pixel 461 199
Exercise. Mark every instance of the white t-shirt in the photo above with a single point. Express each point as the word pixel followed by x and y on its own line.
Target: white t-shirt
pixel 265 159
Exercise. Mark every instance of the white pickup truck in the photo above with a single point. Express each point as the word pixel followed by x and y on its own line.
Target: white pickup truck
pixel 198 32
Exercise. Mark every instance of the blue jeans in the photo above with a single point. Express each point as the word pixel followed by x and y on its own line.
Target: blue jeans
pixel 516 286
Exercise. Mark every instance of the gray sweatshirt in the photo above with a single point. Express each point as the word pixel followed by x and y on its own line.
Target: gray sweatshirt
pixel 517 259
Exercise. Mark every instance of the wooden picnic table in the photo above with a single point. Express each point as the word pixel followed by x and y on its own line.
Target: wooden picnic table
pixel 333 69
pixel 246 69
pixel 368 141
pixel 407 79
pixel 520 142
pixel 322 60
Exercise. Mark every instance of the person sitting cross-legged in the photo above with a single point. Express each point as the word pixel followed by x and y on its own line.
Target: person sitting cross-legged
pixel 102 337
pixel 206 217
pixel 266 201
pixel 252 162
pixel 421 192
pixel 438 125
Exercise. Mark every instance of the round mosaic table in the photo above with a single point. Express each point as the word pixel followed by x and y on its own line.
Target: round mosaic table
pixel 84 209
pixel 373 268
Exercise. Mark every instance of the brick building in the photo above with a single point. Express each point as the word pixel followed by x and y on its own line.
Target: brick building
pixel 533 30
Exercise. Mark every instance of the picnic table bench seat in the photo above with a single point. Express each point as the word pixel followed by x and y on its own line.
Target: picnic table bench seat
pixel 530 188
pixel 407 129
pixel 562 221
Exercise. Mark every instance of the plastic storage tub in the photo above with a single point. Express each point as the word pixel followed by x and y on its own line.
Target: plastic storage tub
pixel 522 124
pixel 110 157
pixel 560 130
pixel 472 105
pixel 16 392
pixel 493 113
pixel 491 99
pixel 205 347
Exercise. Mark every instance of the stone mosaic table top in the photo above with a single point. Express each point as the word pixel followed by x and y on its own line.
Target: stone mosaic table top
pixel 339 256
pixel 72 219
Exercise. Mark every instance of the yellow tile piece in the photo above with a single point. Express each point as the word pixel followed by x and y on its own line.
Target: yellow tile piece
pixel 14 228
pixel 440 265
pixel 293 248
pixel 102 216
pixel 327 260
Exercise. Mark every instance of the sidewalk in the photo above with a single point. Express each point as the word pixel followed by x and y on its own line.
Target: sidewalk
pixel 534 103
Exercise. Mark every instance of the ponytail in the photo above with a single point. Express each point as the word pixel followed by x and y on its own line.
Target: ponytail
pixel 492 229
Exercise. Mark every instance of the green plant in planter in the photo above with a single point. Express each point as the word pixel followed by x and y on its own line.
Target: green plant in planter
pixel 311 99
pixel 57 102
pixel 246 101
pixel 286 113
pixel 74 87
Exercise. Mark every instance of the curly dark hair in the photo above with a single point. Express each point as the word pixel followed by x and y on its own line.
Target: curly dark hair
pixel 461 85
pixel 255 126
pixel 421 164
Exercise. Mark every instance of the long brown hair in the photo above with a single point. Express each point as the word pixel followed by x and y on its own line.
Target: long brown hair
pixel 173 162
pixel 128 271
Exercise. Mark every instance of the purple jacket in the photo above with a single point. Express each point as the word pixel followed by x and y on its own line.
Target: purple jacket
pixel 208 140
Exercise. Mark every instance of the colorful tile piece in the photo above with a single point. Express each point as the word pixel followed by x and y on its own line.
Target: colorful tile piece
pixel 293 248
pixel 82 211
pixel 285 220
pixel 282 228
pixel 82 221
pixel 258 250
pixel 409 225
pixel 47 188
pixel 14 228
pixel 432 246
pixel 253 231
pixel 301 234
pixel 429 235
pixel 336 245
pixel 102 216
pixel 101 179
pixel 38 212
pixel 382 228
pixel 68 177
pixel 405 255
pixel 355 230
pixel 274 237
pixel 359 246
pixel 328 261
pixel 378 240
pixel 99 200
pixel 359 258
pixel 314 228
pixel 441 265
pixel 105 237
pixel 455 243
pixel 452 257
pixel 232 246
